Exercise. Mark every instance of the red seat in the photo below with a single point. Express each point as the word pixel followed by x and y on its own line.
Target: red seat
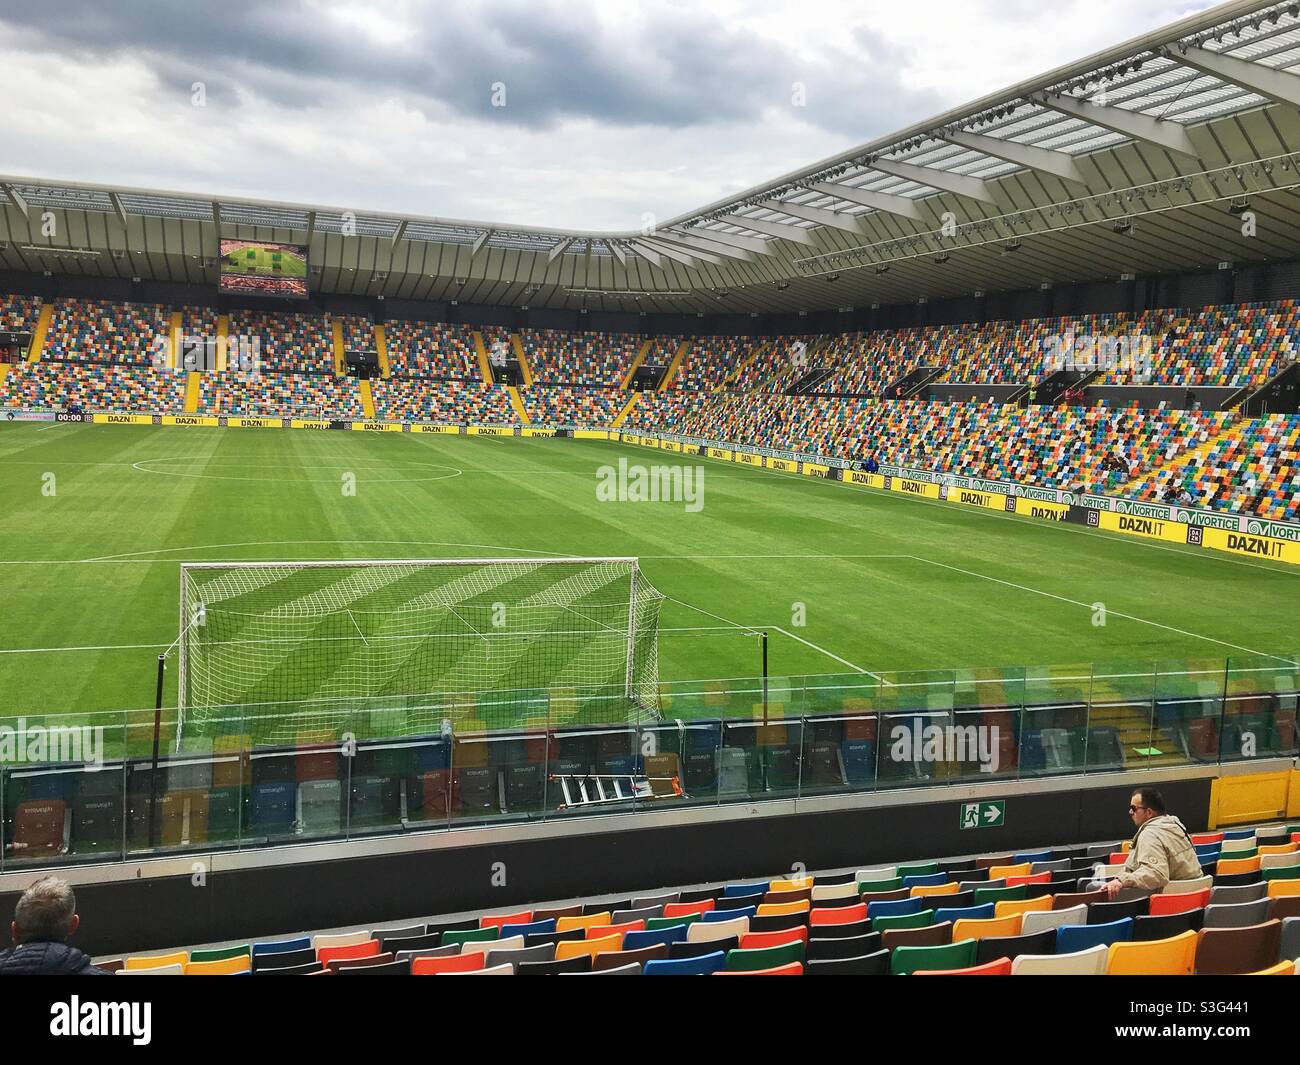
pixel 1199 839
pixel 1001 967
pixel 794 968
pixel 1191 900
pixel 497 920
pixel 39 828
pixel 457 963
pixel 685 909
pixel 1036 878
pixel 838 915
pixel 1117 858
pixel 368 949
pixel 758 940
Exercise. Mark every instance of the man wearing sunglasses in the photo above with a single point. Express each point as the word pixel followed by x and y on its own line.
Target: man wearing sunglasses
pixel 1162 849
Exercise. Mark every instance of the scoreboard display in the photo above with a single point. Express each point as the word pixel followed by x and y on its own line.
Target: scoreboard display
pixel 262 268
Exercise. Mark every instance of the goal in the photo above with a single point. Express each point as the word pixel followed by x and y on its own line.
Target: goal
pixel 276 649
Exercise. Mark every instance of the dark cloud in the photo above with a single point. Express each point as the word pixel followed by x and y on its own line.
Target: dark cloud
pixel 666 68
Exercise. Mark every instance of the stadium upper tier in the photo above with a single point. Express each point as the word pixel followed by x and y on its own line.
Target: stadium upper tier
pixel 113 356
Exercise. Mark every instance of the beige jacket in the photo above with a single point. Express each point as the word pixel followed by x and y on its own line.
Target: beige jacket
pixel 1162 851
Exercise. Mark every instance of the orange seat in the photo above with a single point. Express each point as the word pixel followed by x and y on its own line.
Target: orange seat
pixel 1007 907
pixel 369 948
pixel 1001 872
pixel 793 968
pixel 984 927
pixel 457 963
pixel 1190 900
pixel 1175 956
pixel 221 967
pixel 840 914
pixel 922 891
pixel 1278 889
pixel 568 924
pixel 1282 968
pixel 1280 848
pixel 573 948
pixel 497 920
pixel 685 909
pixel 1001 967
pixel 782 909
pixel 758 940
pixel 1232 866
pixel 600 931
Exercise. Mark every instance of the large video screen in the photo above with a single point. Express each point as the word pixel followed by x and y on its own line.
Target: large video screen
pixel 262 268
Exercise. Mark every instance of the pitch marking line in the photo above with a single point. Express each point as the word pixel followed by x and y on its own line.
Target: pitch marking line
pixel 1089 606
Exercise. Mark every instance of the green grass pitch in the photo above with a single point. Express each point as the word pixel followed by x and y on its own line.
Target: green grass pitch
pixel 261 262
pixel 96 520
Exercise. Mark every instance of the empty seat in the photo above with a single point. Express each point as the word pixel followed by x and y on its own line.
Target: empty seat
pixel 1243 893
pixel 1070 939
pixel 1166 925
pixel 1041 920
pixel 1182 887
pixel 1191 900
pixel 764 957
pixel 976 928
pixel 701 966
pixel 1158 957
pixel 997 967
pixel 1233 951
pixel 874 964
pixel 1105 912
pixel 456 963
pixel 853 947
pixel 1090 962
pixel 907 960
pixel 1235 914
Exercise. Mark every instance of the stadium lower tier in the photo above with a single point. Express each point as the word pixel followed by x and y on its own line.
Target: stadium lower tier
pixel 261 395
pixel 53 386
pixel 993 914
pixel 588 407
pixel 446 402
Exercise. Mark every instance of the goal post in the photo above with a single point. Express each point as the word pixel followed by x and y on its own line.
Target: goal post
pixel 277 646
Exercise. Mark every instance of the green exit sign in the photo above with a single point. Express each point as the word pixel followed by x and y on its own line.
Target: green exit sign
pixel 984 814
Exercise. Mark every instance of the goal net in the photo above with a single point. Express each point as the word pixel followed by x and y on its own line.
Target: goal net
pixel 276 649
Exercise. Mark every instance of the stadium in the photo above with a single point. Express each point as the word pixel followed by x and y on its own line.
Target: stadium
pixel 804 584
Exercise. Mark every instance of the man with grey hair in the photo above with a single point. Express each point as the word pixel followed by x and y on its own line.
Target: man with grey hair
pixel 44 918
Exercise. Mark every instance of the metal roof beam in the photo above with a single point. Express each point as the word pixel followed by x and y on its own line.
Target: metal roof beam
pixel 704 253
pixel 1153 131
pixel 647 252
pixel 479 241
pixel 879 201
pixel 558 249
pixel 1267 81
pixel 1030 156
pixel 774 229
pixel 118 209
pixel 731 240
pixel 16 197
pixel 667 250
pixel 943 180
pixel 617 249
pixel 398 233
pixel 704 244
pixel 846 222
pixel 311 226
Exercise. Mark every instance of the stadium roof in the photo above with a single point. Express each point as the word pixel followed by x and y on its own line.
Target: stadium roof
pixel 1136 160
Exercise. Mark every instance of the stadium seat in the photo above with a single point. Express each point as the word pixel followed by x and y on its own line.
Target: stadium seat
pixel 1235 914
pixel 993 947
pixel 156 961
pixel 741 960
pixel 761 940
pixel 1282 968
pixel 1089 962
pixel 350 952
pixel 712 931
pixel 930 936
pixel 1070 939
pixel 1159 957
pixel 968 928
pixel 172 969
pixel 591 947
pixel 838 915
pixel 1182 887
pixel 630 959
pixel 793 968
pixel 701 966
pixel 851 947
pixel 1041 920
pixel 1167 925
pixel 459 963
pixel 1237 950
pixel 958 955
pixel 998 967
pixel 874 964
pixel 1191 900
pixel 221 953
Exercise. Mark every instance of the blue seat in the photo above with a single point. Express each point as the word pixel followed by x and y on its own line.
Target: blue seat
pixel 728 915
pixel 1072 938
pixel 653 937
pixel 744 889
pixel 1240 833
pixel 533 928
pixel 893 907
pixel 701 966
pixel 928 880
pixel 1033 759
pixel 859 762
pixel 282 946
pixel 957 913
pixel 1031 856
pixel 273 808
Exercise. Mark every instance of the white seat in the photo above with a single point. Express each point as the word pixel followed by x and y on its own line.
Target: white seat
pixel 712 931
pixel 828 892
pixel 1233 846
pixel 1042 920
pixel 1279 861
pixel 342 939
pixel 883 872
pixel 1187 887
pixel 509 943
pixel 505 969
pixel 1090 962
pixel 158 970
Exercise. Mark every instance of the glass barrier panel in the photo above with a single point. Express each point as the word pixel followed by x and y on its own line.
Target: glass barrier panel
pixel 1053 738
pixel 499 776
pixel 839 754
pixel 840 693
pixel 679 762
pixel 759 760
pixel 908 754
pixel 981 744
pixel 294 793
pixel 62 813
pixel 916 690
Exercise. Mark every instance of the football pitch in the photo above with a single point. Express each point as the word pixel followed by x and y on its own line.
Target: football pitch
pixel 844 580
pixel 262 262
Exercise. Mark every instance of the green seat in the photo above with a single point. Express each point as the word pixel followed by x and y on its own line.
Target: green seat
pixel 748 961
pixel 470 935
pixel 908 960
pixel 997 894
pixel 219 953
pixel 1234 855
pixel 880 885
pixel 919 869
pixel 1284 872
pixel 655 923
pixel 903 920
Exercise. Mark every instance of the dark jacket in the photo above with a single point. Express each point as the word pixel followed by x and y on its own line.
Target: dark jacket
pixel 46 957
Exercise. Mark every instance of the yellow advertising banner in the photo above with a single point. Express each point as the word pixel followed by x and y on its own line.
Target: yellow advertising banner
pixel 871 480
pixel 538 432
pixel 255 423
pixel 307 423
pixel 1039 508
pixel 813 469
pixel 449 430
pixel 376 427
pixel 1151 528
pixel 189 419
pixel 783 465
pixel 490 430
pixel 123 419
pixel 968 497
pixel 748 459
pixel 720 453
pixel 1252 546
pixel 591 434
pixel 925 489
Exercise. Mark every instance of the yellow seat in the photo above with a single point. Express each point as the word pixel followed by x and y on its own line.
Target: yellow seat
pixel 1175 956
pixel 1001 872
pixel 568 924
pixel 984 927
pixel 1282 968
pixel 1007 907
pixel 1232 866
pixel 224 967
pixel 791 885
pixel 1280 848
pixel 1278 889
pixel 574 948
pixel 783 909
pixel 923 890
pixel 181 957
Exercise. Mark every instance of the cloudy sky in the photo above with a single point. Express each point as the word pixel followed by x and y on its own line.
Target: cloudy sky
pixel 611 109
